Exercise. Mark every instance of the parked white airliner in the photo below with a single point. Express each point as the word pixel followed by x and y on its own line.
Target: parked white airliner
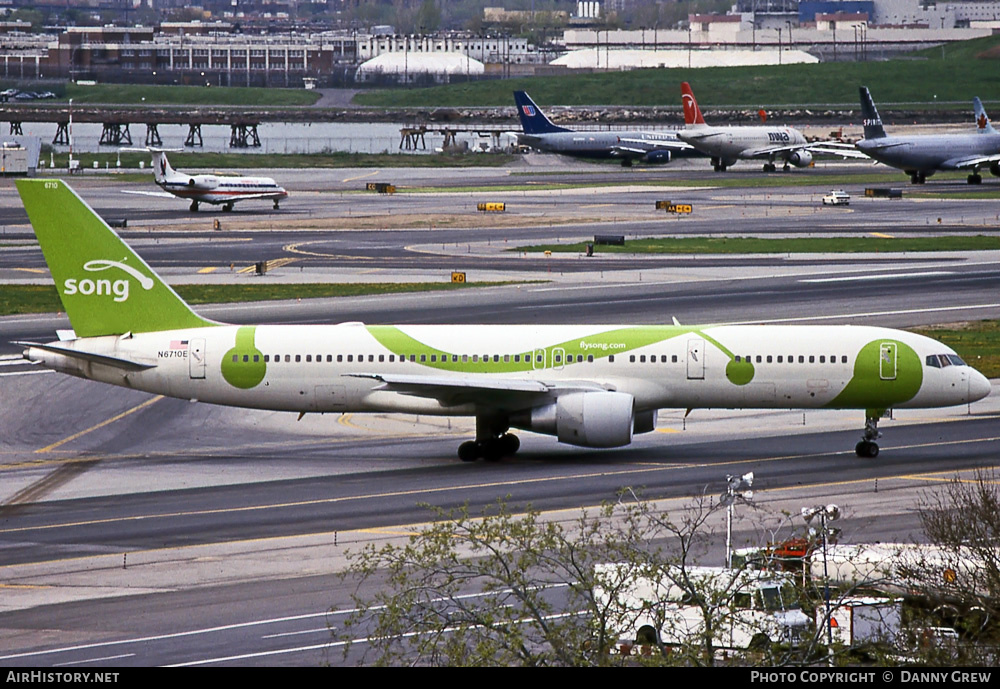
pixel 726 145
pixel 587 385
pixel 224 190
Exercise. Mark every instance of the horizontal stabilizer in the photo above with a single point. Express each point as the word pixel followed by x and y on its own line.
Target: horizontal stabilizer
pixel 115 362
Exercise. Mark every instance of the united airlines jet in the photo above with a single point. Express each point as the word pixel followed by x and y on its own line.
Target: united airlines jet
pixel 587 385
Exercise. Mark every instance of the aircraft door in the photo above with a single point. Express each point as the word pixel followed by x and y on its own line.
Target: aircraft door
pixel 887 361
pixel 558 358
pixel 196 358
pixel 696 359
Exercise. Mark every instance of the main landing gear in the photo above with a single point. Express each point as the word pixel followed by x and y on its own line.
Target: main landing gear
pixel 227 207
pixel 975 178
pixel 276 204
pixel 718 165
pixel 917 178
pixel 492 442
pixel 193 207
pixel 868 447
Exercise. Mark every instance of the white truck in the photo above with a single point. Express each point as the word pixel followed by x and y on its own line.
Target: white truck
pixel 748 609
pixel 857 622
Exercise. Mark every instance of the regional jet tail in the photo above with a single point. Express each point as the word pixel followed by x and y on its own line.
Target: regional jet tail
pixel 224 190
pixel 726 145
pixel 921 155
pixel 588 385
pixel 647 147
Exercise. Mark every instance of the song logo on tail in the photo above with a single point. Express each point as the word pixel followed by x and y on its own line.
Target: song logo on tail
pixel 117 289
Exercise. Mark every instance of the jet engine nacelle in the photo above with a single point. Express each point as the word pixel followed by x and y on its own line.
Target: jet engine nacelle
pixel 587 419
pixel 800 158
pixel 202 182
pixel 995 169
pixel 657 157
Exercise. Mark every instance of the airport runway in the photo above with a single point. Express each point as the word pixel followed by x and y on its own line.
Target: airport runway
pixel 142 531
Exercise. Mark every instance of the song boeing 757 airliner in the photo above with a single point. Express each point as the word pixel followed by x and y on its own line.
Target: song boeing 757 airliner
pixel 587 385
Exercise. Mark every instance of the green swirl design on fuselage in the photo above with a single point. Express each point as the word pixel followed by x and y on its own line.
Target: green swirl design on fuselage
pixel 248 369
pixel 603 344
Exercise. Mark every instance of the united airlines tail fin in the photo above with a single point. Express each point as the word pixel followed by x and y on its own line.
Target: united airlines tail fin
pixel 869 116
pixel 533 121
pixel 104 286
pixel 983 125
pixel 692 113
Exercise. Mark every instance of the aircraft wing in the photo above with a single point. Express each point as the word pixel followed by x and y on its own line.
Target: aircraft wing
pixel 962 163
pixel 832 148
pixel 115 362
pixel 160 194
pixel 643 146
pixel 823 147
pixel 504 393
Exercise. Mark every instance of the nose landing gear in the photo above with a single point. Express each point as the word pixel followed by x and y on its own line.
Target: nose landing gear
pixel 868 447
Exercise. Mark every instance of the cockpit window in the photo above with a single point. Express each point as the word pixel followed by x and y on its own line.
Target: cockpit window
pixel 942 360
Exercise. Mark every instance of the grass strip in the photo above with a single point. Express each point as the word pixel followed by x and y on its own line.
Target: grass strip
pixel 233 162
pixel 21 299
pixel 754 245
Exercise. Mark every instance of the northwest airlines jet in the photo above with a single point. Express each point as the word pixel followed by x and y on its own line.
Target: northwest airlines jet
pixel 587 385
pixel 726 145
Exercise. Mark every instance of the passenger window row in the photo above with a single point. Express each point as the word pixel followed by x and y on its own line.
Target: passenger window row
pixel 791 358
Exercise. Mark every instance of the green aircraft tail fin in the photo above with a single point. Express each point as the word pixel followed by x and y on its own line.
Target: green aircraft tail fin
pixel 104 286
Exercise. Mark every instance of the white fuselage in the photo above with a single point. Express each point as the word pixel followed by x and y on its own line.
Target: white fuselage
pixel 730 144
pixel 337 368
pixel 222 189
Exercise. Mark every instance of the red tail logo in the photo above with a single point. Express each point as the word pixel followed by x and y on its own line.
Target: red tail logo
pixel 692 113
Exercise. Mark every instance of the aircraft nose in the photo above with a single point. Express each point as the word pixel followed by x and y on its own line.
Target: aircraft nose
pixel 979 386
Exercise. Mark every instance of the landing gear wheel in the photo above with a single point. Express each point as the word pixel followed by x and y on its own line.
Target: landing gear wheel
pixel 786 168
pixel 227 207
pixel 276 204
pixel 627 162
pixel 510 443
pixel 468 451
pixel 866 448
pixel 975 178
pixel 193 207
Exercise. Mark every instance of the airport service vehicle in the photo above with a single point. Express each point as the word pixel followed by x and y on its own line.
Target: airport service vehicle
pixel 540 133
pixel 749 609
pixel 587 385
pixel 726 145
pixel 224 190
pixel 921 155
pixel 837 198
pixel 860 621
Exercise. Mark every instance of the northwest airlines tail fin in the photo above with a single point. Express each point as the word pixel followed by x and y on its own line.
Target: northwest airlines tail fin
pixel 533 120
pixel 692 113
pixel 869 116
pixel 104 286
pixel 983 125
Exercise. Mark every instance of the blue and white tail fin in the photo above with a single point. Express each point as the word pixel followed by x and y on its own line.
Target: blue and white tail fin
pixel 983 125
pixel 869 116
pixel 533 121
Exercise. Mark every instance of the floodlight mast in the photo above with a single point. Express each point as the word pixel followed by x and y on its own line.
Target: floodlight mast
pixel 737 488
pixel 825 513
